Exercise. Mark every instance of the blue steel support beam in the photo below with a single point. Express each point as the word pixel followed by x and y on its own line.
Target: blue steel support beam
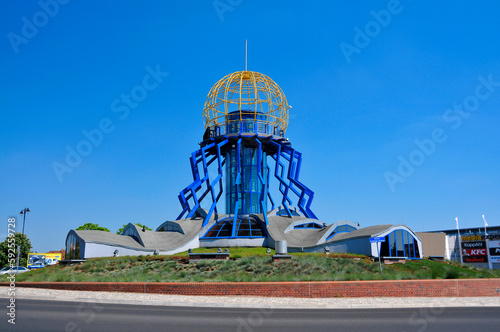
pixel 262 199
pixel 268 191
pixel 214 183
pixel 286 158
pixel 196 183
pixel 200 181
pixel 294 163
pixel 278 173
pixel 206 178
pixel 293 176
pixel 237 184
pixel 189 193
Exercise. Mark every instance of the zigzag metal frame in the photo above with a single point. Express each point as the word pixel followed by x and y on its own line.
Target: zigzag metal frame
pixel 265 186
pixel 294 159
pixel 190 191
pixel 292 164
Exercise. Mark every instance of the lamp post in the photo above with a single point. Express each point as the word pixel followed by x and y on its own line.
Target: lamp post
pixel 486 240
pixel 23 212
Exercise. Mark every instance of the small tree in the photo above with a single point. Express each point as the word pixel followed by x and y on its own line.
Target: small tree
pixel 4 249
pixel 120 230
pixel 92 227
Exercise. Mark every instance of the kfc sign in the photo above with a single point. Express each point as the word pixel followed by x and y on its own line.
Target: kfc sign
pixel 474 252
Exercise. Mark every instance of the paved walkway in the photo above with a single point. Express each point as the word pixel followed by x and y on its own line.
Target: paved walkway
pixel 250 302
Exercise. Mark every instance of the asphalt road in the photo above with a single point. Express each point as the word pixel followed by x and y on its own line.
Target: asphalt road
pixel 43 315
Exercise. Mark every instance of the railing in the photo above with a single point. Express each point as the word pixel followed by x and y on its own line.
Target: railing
pixel 247 126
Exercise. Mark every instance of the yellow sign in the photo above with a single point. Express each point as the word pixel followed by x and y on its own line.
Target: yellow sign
pixel 49 258
pixel 472 238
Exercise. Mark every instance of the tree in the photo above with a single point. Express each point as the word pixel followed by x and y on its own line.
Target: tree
pixel 120 230
pixel 4 250
pixel 92 227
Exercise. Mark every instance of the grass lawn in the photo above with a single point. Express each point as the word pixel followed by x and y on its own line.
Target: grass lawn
pixel 251 264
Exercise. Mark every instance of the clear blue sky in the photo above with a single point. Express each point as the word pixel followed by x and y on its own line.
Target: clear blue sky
pixel 360 100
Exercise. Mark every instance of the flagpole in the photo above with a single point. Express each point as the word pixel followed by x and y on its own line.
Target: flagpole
pixel 490 265
pixel 459 241
pixel 485 224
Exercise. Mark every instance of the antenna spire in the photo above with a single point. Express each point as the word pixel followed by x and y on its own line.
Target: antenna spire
pixel 245 55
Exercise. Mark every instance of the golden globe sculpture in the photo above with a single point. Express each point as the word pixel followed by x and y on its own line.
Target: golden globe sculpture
pixel 246 95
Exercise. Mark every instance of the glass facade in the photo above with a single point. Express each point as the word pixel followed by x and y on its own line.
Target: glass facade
pixel 308 225
pixel 245 227
pixel 341 229
pixel 131 231
pixel 171 227
pixel 400 243
pixel 250 188
pixel 283 212
pixel 248 121
pixel 72 247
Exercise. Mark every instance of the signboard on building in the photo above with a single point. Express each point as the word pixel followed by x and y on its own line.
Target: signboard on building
pixel 474 252
pixel 44 258
pixel 472 237
pixel 35 258
pixel 474 245
pixel 494 251
pixel 377 239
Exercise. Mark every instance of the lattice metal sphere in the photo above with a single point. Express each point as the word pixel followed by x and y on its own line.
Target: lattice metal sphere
pixel 246 96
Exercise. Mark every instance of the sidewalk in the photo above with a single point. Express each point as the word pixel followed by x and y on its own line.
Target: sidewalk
pixel 250 302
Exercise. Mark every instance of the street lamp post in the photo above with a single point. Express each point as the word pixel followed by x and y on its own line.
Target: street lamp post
pixel 23 212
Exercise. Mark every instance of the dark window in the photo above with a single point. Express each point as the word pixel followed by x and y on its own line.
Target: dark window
pixel 77 249
pixel 245 227
pixel 308 225
pixel 384 247
pixel 415 247
pixel 171 227
pixel 72 247
pixel 392 244
pixel 399 243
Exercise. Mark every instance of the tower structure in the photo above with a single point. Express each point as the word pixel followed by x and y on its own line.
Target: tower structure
pixel 246 116
pixel 243 154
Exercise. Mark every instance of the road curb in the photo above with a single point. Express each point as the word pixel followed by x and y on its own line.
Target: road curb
pixel 297 289
pixel 383 304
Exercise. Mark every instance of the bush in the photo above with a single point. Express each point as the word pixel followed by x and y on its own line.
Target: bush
pixel 452 274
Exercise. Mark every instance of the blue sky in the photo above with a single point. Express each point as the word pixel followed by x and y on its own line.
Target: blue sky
pixel 367 80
